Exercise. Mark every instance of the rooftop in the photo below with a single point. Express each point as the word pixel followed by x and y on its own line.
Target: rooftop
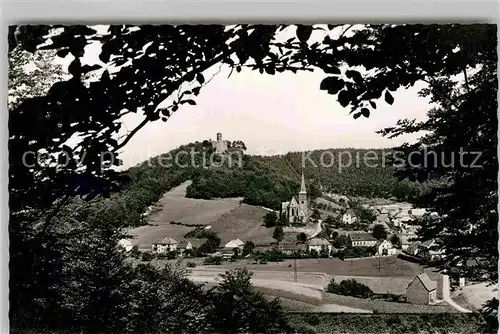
pixel 362 237
pixel 426 281
pixel 318 242
pixel 195 242
pixel 165 241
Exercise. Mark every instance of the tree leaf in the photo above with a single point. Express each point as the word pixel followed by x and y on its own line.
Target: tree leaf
pixel 354 75
pixel 374 106
pixel 191 102
pixel 200 78
pixel 365 112
pixel 344 98
pixel 304 32
pixel 270 70
pixel 356 115
pixel 62 53
pixel 388 98
pixel 332 70
pixel 332 84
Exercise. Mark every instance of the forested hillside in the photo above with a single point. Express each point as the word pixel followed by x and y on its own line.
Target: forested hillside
pixel 260 180
pixel 355 172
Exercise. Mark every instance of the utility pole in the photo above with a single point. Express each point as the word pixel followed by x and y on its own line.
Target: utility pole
pixel 295 265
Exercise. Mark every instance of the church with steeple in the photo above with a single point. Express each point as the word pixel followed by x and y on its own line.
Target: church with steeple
pixel 296 210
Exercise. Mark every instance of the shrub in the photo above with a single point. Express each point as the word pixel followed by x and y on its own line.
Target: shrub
pixel 313 319
pixel 135 253
pixel 190 264
pixel 324 253
pixel 349 288
pixel 306 329
pixel 147 256
pixel 272 256
pixel 161 256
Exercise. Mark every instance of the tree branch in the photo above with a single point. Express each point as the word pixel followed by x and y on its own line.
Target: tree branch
pixel 466 80
pixel 177 85
pixel 346 29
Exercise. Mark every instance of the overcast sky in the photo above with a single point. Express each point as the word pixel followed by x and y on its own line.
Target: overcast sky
pixel 271 114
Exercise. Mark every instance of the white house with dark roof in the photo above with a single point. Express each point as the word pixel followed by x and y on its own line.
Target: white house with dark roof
pixel 318 244
pixel 384 248
pixel 162 245
pixel 349 217
pixel 361 239
pixel 421 290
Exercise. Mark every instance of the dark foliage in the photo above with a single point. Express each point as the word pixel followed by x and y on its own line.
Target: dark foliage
pixel 349 288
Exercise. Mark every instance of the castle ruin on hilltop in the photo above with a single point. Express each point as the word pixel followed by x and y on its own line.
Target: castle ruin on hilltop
pixel 220 145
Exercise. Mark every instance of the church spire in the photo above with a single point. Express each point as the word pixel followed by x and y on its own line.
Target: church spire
pixel 303 184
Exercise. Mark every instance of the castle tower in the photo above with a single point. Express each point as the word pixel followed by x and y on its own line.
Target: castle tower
pixel 220 145
pixel 303 199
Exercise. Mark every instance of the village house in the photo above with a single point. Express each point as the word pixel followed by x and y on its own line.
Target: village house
pixel 163 245
pixel 382 219
pixel 297 209
pixel 384 211
pixel 318 244
pixel 417 212
pixel 414 248
pixel 126 244
pixel 384 248
pixel 235 243
pixel 349 217
pixel 361 239
pixel 429 249
pixel 290 247
pixel 406 239
pixel 421 290
pixel 190 244
pixel 432 250
pixel 228 250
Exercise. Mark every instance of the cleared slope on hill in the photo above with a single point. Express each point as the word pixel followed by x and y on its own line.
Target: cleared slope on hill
pixel 176 207
pixel 243 222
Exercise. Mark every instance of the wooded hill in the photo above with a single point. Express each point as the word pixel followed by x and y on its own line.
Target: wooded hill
pixel 261 180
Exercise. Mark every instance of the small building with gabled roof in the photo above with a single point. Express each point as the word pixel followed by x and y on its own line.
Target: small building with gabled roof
pixel 421 290
pixel 384 248
pixel 162 245
pixel 361 239
pixel 318 244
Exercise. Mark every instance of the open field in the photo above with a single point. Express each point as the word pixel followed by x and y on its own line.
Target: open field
pixel 307 293
pixel 228 218
pixel 477 294
pixel 389 266
pixel 176 207
pixel 243 222
pixel 394 285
